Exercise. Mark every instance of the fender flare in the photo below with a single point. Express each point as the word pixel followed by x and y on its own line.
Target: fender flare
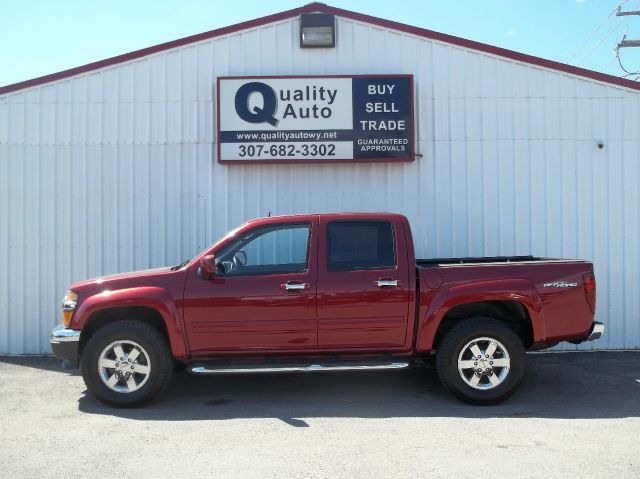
pixel 519 290
pixel 152 297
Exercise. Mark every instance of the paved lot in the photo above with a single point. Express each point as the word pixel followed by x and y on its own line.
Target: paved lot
pixel 576 415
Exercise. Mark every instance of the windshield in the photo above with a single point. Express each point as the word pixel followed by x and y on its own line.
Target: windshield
pixel 230 234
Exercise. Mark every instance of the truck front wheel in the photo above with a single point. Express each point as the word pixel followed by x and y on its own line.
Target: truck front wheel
pixel 481 360
pixel 126 363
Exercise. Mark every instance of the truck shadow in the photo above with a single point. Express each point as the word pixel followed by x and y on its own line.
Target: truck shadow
pixel 41 362
pixel 568 386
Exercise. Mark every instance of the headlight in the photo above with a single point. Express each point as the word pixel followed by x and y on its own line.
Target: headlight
pixel 69 304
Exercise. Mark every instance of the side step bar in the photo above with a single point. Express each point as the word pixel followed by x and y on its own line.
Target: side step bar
pixel 228 369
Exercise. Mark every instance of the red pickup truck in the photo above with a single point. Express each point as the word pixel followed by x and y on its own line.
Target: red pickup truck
pixel 320 293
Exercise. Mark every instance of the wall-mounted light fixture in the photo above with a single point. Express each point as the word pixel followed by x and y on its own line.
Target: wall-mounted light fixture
pixel 317 30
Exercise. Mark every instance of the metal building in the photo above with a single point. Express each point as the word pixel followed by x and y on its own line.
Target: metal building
pixel 113 166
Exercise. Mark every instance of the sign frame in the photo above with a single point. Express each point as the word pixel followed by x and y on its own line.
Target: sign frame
pixel 279 161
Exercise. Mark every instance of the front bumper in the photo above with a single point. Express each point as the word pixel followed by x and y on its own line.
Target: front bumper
pixel 64 343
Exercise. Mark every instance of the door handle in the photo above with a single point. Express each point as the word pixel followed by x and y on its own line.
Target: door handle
pixel 295 286
pixel 387 283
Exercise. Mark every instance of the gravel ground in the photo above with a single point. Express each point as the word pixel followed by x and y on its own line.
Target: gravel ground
pixel 576 415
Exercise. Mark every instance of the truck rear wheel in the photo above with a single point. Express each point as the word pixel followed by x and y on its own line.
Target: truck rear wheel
pixel 481 361
pixel 126 364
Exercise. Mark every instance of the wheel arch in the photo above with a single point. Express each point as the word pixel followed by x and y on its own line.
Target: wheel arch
pixel 510 312
pixel 513 301
pixel 150 305
pixel 102 317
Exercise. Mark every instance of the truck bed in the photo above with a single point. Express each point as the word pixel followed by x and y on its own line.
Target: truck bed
pixel 553 291
pixel 430 262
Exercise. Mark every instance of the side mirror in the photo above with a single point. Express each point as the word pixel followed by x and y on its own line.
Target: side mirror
pixel 207 268
pixel 240 257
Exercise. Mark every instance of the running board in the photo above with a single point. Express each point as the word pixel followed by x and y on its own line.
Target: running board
pixel 227 369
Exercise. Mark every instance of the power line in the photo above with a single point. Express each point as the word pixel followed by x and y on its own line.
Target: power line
pixel 609 64
pixel 628 73
pixel 601 42
pixel 596 30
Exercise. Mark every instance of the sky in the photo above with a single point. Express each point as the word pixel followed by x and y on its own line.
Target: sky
pixel 39 37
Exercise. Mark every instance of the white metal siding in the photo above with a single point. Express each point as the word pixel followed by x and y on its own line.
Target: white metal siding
pixel 114 171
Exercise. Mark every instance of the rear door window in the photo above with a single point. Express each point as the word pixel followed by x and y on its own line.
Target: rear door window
pixel 357 245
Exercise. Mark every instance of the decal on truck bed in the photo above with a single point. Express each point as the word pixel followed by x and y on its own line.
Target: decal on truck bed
pixel 560 284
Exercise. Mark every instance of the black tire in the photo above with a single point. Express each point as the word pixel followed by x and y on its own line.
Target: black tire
pixel 455 341
pixel 156 348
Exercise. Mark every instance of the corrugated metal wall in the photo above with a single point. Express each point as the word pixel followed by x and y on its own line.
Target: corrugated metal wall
pixel 113 170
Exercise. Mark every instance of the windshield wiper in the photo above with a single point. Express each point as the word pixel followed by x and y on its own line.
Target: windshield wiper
pixel 178 266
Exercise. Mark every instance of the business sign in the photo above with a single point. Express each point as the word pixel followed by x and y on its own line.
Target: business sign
pixel 315 119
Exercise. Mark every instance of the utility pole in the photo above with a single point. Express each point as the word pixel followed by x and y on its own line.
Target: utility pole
pixel 624 43
pixel 629 43
pixel 620 13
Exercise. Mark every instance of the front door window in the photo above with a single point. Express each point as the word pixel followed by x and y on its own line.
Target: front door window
pixel 271 250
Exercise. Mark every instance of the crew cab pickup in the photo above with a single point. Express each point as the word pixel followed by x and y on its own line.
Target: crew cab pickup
pixel 328 292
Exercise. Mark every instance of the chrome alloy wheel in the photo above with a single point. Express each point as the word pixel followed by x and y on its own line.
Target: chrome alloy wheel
pixel 484 363
pixel 124 366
